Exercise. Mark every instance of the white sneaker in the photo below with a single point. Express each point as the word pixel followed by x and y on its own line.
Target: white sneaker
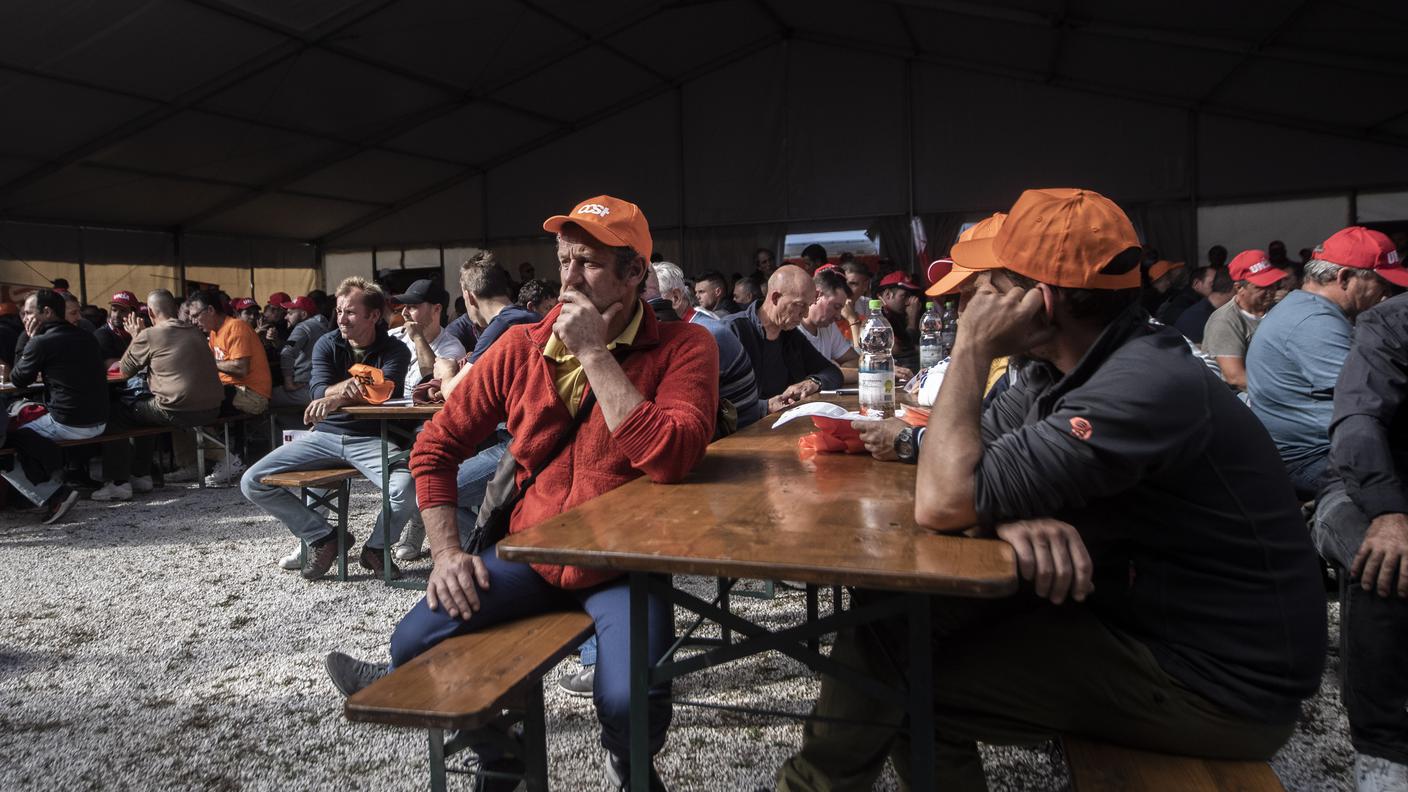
pixel 412 538
pixel 183 475
pixel 227 471
pixel 141 483
pixel 112 492
pixel 1375 774
pixel 293 560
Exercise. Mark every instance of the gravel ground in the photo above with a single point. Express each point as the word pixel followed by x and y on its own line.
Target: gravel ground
pixel 154 645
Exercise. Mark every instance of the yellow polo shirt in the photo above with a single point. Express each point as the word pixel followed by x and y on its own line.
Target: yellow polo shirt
pixel 570 379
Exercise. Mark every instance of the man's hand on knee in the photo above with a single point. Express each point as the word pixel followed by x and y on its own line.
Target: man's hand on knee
pixel 1050 553
pixel 454 584
pixel 1383 556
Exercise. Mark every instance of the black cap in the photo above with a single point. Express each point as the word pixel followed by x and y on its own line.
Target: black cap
pixel 423 291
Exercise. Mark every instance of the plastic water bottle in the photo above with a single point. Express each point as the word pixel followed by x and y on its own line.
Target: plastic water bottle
pixel 930 347
pixel 949 334
pixel 877 365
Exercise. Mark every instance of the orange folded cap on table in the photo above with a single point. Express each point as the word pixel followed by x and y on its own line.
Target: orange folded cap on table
pixel 375 384
pixel 611 220
pixel 1065 237
pixel 957 275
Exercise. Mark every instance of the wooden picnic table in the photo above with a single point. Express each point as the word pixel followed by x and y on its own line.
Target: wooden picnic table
pixel 757 508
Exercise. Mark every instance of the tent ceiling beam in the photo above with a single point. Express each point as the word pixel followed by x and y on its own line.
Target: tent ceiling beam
pixel 551 137
pixel 1255 50
pixel 193 96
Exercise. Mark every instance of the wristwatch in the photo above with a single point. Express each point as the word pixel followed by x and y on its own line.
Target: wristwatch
pixel 904 446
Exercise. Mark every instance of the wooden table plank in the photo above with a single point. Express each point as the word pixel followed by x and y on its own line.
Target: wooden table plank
pixel 753 508
pixel 379 411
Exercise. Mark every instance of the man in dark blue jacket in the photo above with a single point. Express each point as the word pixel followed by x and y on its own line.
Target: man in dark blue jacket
pixel 75 405
pixel 338 438
pixel 786 367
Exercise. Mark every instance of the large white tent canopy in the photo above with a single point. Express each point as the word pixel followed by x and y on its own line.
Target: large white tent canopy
pixel 252 135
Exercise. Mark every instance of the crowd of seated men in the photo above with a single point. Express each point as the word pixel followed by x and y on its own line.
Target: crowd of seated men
pixel 1146 438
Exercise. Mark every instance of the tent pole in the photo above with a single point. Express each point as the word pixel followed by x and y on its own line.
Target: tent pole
pixel 177 241
pixel 679 140
pixel 82 267
pixel 909 136
pixel 1195 255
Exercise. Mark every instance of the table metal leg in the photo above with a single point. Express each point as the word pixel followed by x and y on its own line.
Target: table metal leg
pixel 535 744
pixel 640 683
pixel 437 760
pixel 921 690
pixel 385 505
pixel 724 584
pixel 200 458
pixel 344 492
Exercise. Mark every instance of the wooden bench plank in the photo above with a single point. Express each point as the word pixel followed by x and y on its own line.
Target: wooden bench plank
pixel 1102 767
pixel 463 682
pixel 141 431
pixel 310 478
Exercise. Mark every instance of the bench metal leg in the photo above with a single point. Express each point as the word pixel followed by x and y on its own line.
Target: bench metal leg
pixel 344 490
pixel 813 611
pixel 535 740
pixel 200 457
pixel 437 760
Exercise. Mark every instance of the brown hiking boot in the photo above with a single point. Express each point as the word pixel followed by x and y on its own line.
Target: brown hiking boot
pixel 372 559
pixel 322 555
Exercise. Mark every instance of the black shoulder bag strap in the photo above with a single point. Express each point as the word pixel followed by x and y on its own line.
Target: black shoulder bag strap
pixel 502 495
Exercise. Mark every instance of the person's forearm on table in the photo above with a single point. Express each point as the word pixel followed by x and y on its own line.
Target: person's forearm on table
pixel 614 391
pixel 944 493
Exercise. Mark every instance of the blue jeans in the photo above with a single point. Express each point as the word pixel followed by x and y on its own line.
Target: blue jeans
pixel 472 479
pixel 1309 476
pixel 516 591
pixel 317 450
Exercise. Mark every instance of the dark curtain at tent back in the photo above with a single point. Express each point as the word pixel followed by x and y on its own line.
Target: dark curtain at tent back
pixel 1168 228
pixel 893 232
pixel 730 249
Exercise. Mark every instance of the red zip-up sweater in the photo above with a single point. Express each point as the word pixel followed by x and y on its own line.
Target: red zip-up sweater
pixel 674 365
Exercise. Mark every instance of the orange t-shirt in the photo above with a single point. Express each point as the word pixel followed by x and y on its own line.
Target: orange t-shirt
pixel 237 340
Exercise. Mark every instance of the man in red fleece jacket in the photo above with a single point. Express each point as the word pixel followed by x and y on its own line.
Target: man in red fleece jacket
pixel 656 388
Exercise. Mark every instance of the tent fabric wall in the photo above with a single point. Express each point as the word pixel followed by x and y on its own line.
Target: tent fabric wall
pixel 1302 223
pixel 1381 207
pixel 730 249
pixel 1168 228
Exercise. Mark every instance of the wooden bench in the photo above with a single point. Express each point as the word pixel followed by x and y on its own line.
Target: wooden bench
pixel 329 488
pixel 1102 767
pixel 467 682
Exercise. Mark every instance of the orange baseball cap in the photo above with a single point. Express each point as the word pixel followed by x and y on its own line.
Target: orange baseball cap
pixel 1060 237
pixel 611 220
pixel 1255 266
pixel 958 275
pixel 375 384
pixel 8 308
pixel 1161 268
pixel 1364 248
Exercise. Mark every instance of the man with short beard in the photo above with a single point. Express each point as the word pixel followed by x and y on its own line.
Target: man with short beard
pixel 634 395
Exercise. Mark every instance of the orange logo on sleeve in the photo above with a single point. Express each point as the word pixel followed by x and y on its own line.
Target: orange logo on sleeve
pixel 1081 428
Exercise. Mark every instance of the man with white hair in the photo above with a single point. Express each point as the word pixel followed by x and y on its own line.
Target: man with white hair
pixel 674 289
pixel 1298 350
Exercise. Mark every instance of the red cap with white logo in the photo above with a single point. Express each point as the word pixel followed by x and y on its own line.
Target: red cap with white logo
pixel 1255 267
pixel 1364 248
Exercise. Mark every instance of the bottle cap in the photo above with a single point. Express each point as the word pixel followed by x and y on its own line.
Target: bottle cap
pixel 929 306
pixel 875 305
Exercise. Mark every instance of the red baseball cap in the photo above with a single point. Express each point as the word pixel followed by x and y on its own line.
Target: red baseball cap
pixel 126 299
pixel 824 267
pixel 611 220
pixel 938 268
pixel 1364 248
pixel 899 279
pixel 278 298
pixel 301 304
pixel 242 303
pixel 1255 267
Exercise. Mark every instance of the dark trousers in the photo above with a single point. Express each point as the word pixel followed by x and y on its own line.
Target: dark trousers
pixel 516 591
pixel 123 459
pixel 1010 672
pixel 1375 661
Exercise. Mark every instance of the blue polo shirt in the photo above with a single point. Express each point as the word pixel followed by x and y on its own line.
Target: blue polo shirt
pixel 1292 365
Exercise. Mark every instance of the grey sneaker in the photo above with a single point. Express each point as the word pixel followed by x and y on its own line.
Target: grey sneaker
pixel 350 674
pixel 580 683
pixel 1375 774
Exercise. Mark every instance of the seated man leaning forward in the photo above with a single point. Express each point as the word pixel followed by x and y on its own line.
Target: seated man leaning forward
pixel 656 394
pixel 339 439
pixel 1177 604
